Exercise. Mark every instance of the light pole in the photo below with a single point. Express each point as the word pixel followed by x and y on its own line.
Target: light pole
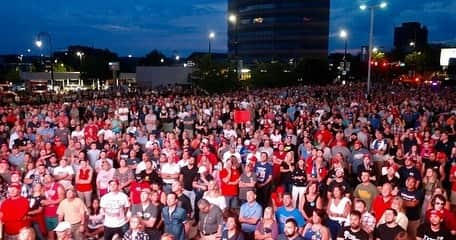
pixel 39 43
pixel 344 35
pixel 371 40
pixel 211 36
pixel 80 54
pixel 233 19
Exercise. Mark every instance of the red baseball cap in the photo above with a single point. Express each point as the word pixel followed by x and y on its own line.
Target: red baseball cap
pixel 252 147
pixel 437 213
pixel 15 185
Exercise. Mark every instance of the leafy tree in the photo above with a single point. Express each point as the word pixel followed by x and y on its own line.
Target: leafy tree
pixel 154 58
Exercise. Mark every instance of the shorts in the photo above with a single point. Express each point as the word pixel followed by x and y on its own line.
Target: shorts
pixel 51 223
pixel 453 198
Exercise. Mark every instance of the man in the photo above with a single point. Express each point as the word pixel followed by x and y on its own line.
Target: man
pixel 390 229
pixel 147 213
pixel 354 231
pixel 356 158
pixel 408 170
pixel 114 205
pixel 286 212
pixel 263 170
pixel 291 231
pixel 187 174
pixel 367 220
pixel 174 217
pixel 366 190
pixel 64 174
pixel 54 193
pixel 433 229
pixel 183 202
pixel 13 212
pixel 382 201
pixel 73 210
pixel 211 220
pixel 249 215
pixel 412 201
pixel 230 177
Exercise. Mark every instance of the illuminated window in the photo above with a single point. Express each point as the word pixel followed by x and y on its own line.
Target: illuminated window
pixel 258 20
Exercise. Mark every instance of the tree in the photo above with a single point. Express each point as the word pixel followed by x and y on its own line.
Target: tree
pixel 12 75
pixel 213 76
pixel 154 58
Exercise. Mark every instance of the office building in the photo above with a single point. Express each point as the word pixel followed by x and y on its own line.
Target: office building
pixel 268 30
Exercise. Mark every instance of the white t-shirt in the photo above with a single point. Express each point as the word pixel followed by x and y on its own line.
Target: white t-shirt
pixel 114 206
pixel 59 170
pixel 169 168
pixel 217 201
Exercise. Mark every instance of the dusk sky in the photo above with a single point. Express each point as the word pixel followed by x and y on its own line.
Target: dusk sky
pixel 177 26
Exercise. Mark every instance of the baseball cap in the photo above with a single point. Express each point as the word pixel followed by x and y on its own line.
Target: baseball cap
pixel 15 185
pixel 62 226
pixel 437 213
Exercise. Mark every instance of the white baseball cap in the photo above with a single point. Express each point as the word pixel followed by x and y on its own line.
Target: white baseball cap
pixel 62 226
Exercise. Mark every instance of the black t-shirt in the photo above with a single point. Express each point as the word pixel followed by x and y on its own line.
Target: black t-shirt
pixel 425 232
pixel 348 234
pixel 188 176
pixel 386 233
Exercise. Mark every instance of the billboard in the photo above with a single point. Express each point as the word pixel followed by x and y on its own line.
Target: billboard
pixel 446 54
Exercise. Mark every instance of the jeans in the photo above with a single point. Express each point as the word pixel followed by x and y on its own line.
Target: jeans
pixel 192 196
pixel 334 227
pixel 36 227
pixel 232 202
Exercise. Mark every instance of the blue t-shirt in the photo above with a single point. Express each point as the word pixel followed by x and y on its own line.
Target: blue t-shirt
pixel 263 171
pixel 250 211
pixel 282 215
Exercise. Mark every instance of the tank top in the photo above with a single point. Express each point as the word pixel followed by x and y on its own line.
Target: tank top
pixel 84 175
pixel 309 206
pixel 52 194
pixel 310 234
pixel 339 209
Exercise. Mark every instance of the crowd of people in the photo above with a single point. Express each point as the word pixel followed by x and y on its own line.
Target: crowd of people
pixel 311 162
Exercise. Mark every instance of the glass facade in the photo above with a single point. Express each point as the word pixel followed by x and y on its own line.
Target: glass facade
pixel 267 30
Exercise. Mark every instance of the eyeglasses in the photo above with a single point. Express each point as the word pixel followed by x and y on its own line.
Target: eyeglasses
pixel 439 203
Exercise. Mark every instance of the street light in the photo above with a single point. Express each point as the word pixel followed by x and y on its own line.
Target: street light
pixel 344 35
pixel 371 36
pixel 39 43
pixel 80 54
pixel 211 36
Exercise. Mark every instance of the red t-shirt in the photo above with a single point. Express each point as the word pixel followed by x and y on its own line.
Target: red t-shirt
pixel 229 189
pixel 379 206
pixel 210 156
pixel 135 191
pixel 14 213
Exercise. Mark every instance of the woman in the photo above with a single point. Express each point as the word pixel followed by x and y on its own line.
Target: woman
pixel 95 225
pixel 125 175
pixel 83 182
pixel 232 231
pixel 430 183
pixel 214 196
pixel 310 201
pixel 105 175
pixel 298 181
pixel 337 209
pixel 286 168
pixel 401 218
pixel 136 231
pixel 314 229
pixel 267 228
pixel 36 211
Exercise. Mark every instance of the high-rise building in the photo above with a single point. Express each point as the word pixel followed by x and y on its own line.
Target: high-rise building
pixel 410 35
pixel 282 30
